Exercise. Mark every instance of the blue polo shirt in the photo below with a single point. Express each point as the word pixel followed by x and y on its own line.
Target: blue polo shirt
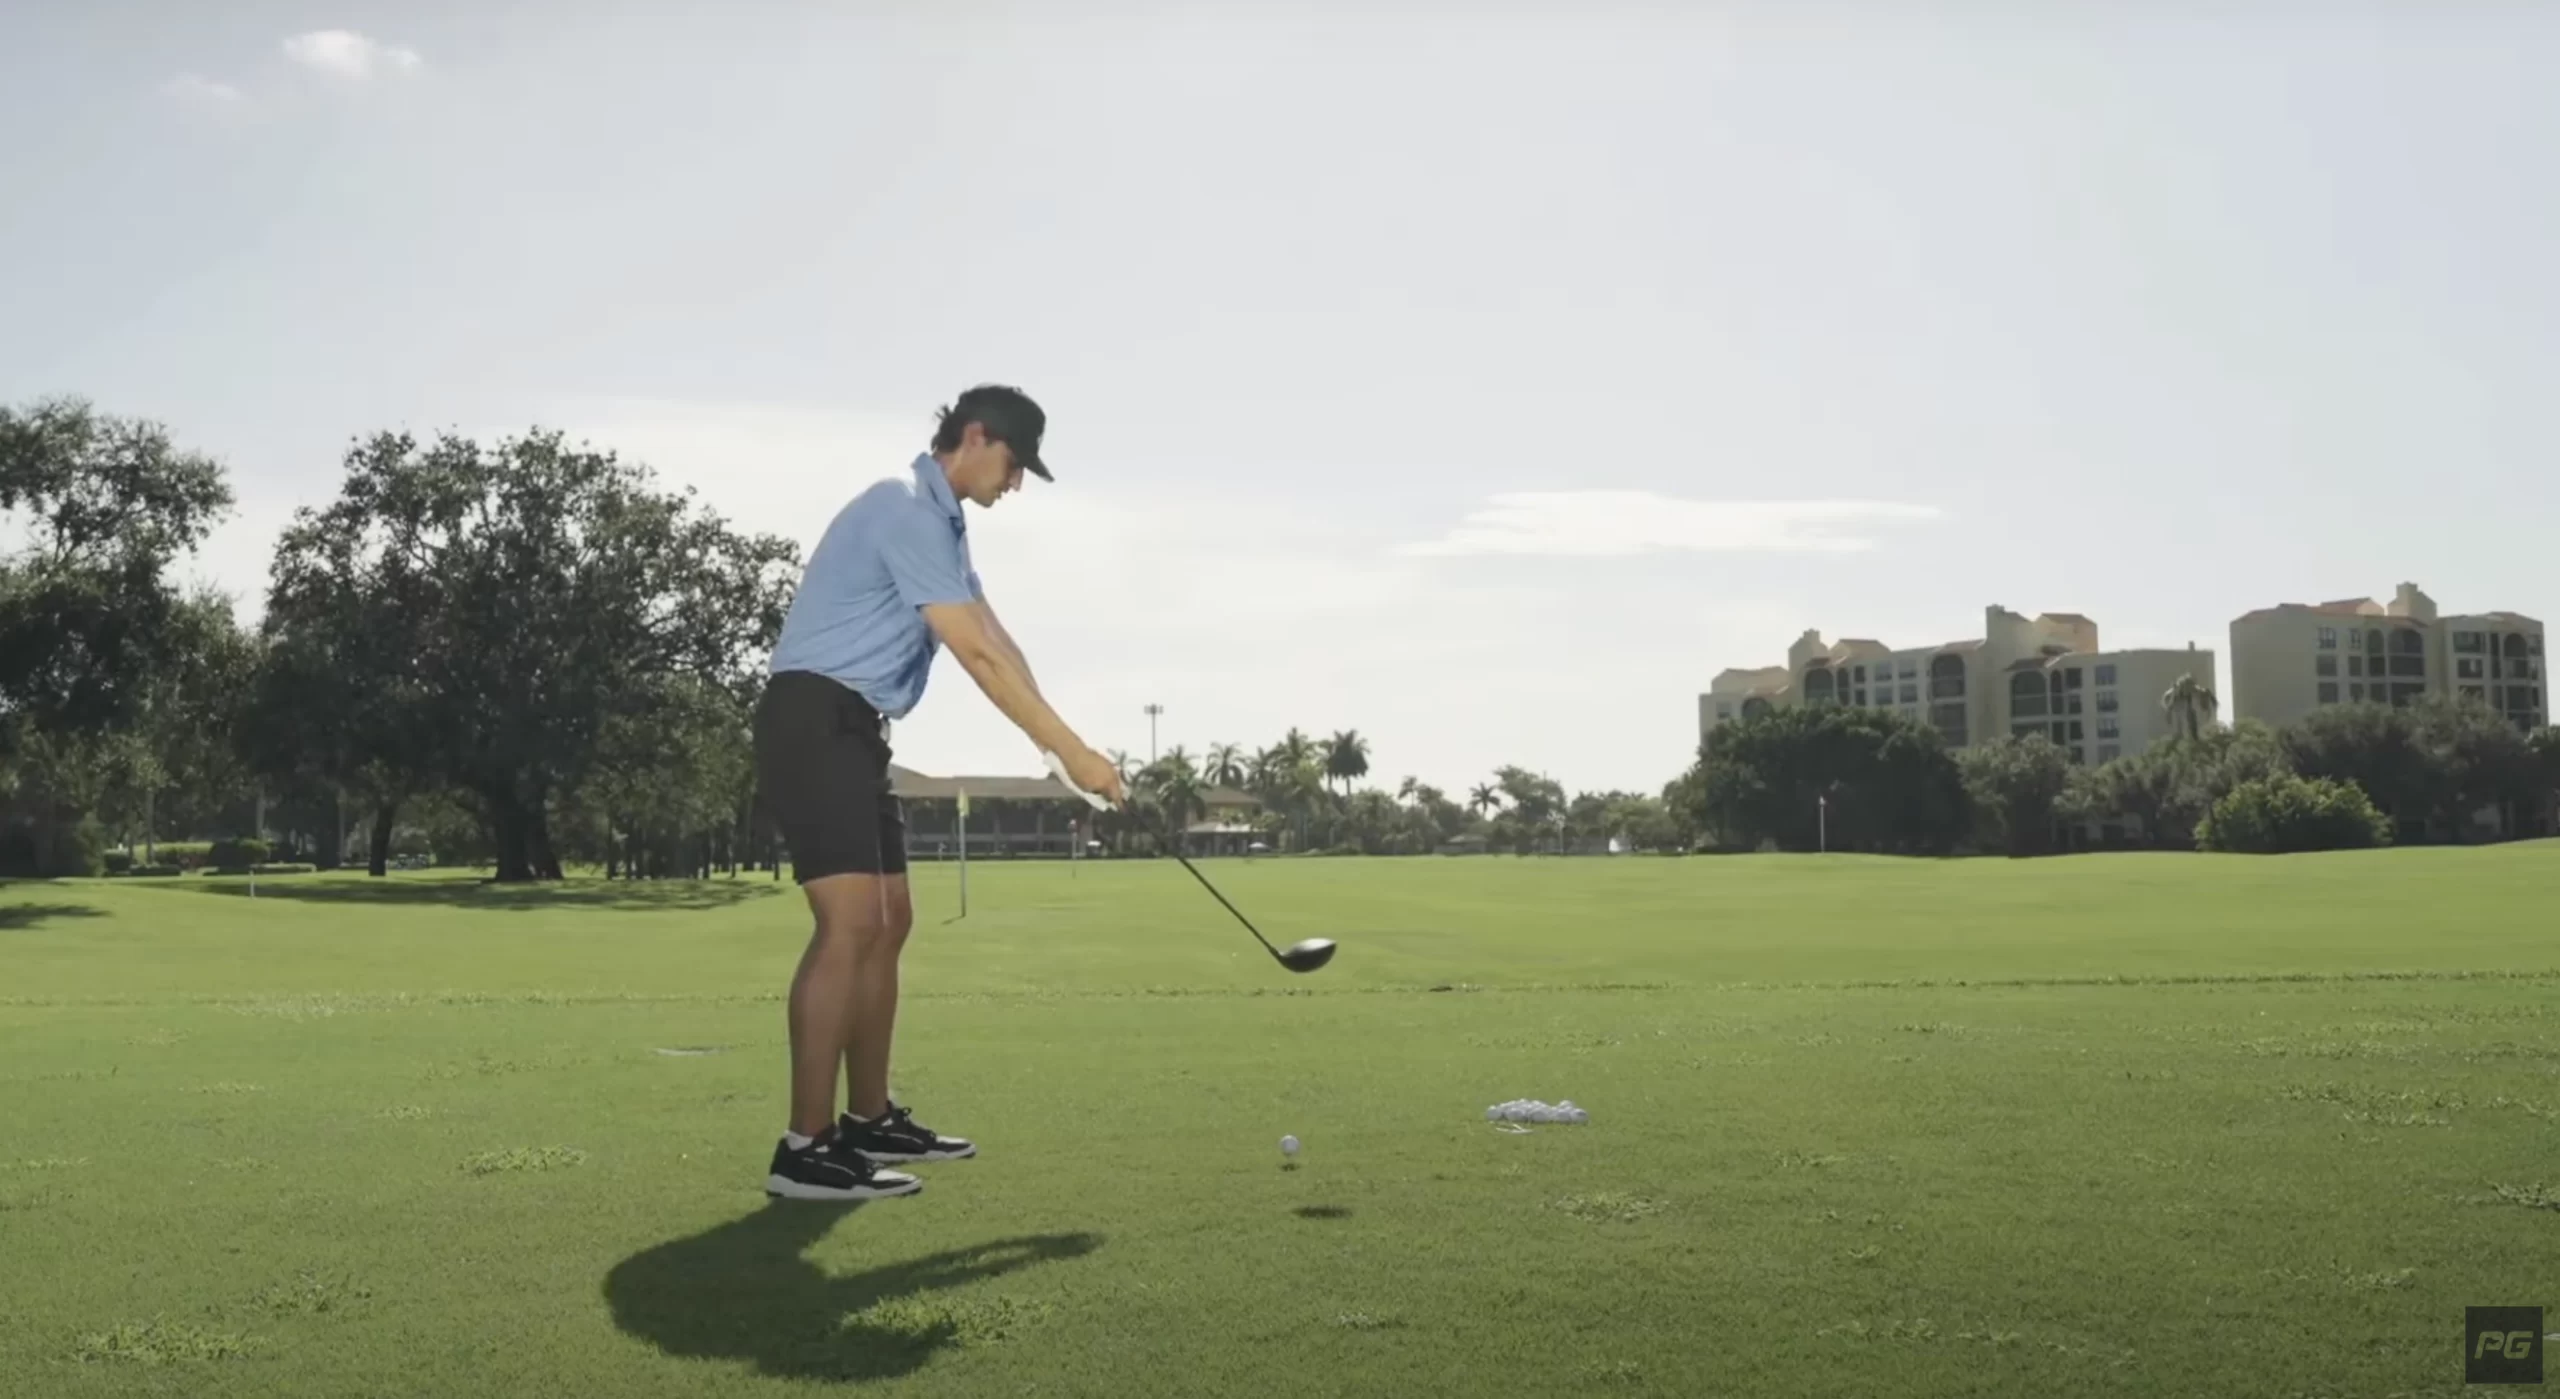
pixel 898 546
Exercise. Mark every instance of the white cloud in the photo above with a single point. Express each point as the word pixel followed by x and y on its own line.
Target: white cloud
pixel 343 53
pixel 200 91
pixel 1588 524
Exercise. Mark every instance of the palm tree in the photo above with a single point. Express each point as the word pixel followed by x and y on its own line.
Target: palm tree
pixel 1179 757
pixel 1295 748
pixel 1346 758
pixel 1178 799
pixel 1302 794
pixel 1263 774
pixel 2189 707
pixel 1224 765
pixel 1483 799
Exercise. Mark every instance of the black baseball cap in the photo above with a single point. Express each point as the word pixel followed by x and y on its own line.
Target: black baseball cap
pixel 1007 415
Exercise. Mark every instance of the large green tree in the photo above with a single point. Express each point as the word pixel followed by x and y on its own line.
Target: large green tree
pixel 671 785
pixel 2161 795
pixel 2482 763
pixel 1812 775
pixel 2018 786
pixel 91 626
pixel 182 770
pixel 519 598
pixel 2430 766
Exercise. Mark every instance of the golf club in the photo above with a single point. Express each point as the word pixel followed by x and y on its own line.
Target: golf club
pixel 1303 956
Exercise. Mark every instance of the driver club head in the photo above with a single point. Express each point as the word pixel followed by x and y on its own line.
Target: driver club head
pixel 1307 955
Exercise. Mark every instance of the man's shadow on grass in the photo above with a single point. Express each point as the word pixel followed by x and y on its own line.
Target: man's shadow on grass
pixel 742 1291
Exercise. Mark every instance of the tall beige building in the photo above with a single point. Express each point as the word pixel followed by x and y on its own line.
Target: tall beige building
pixel 2025 675
pixel 2289 660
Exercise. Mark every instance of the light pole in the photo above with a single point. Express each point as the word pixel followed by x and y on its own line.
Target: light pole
pixel 1153 711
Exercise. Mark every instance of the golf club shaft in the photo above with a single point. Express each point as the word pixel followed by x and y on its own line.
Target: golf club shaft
pixel 1165 838
pixel 1159 832
pixel 1231 908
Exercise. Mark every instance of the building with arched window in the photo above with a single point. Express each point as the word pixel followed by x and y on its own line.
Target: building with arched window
pixel 2291 659
pixel 2042 674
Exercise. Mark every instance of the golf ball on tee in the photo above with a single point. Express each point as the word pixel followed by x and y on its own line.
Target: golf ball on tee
pixel 1288 1146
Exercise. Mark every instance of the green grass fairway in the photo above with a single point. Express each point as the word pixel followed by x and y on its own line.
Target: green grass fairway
pixel 2109 1125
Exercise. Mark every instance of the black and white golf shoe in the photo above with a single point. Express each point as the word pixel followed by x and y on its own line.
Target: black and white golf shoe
pixel 895 1135
pixel 827 1169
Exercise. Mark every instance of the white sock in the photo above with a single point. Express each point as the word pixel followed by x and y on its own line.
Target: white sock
pixel 796 1142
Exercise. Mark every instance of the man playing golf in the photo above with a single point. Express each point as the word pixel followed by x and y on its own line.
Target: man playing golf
pixel 889 585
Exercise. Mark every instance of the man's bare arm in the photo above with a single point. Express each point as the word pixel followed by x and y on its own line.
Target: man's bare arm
pixel 995 625
pixel 979 643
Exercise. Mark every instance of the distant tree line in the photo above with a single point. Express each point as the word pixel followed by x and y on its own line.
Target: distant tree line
pixel 524 655
pixel 1307 801
pixel 2351 775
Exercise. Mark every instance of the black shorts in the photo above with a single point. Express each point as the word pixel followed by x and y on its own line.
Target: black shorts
pixel 822 773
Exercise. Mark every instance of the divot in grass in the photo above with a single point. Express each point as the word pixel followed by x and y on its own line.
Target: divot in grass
pixel 2273 1048
pixel 2536 1196
pixel 163 1343
pixel 1914 1329
pixel 522 1158
pixel 927 1322
pixel 1367 1321
pixel 2347 1279
pixel 311 1294
pixel 1609 1207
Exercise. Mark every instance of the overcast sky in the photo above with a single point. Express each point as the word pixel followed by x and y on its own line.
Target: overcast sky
pixel 1483 378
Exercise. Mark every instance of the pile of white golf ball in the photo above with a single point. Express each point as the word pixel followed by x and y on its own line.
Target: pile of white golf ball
pixel 1532 1110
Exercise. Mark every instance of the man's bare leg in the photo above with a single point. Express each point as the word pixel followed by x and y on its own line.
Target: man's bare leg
pixel 850 910
pixel 873 1001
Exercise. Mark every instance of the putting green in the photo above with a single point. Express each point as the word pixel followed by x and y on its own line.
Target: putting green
pixel 2107 1125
